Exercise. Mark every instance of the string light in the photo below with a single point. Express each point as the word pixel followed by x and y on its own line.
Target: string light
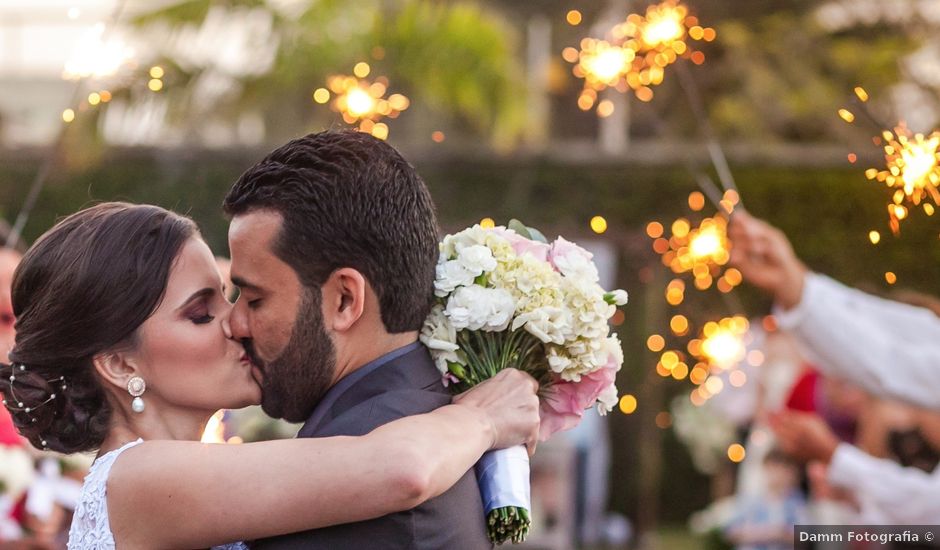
pixel 598 224
pixel 628 404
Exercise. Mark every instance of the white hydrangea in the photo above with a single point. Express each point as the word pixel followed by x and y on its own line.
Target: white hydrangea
pixel 558 359
pixel 589 310
pixel 614 347
pixel 533 283
pixel 477 308
pixel 548 324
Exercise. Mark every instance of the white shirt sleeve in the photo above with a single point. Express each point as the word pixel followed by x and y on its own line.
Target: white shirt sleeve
pixel 887 492
pixel 890 349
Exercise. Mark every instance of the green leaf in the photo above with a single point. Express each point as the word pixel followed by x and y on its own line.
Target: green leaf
pixel 519 228
pixel 537 235
pixel 530 233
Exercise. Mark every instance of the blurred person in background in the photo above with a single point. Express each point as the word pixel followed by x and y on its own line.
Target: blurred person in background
pixel 9 259
pixel 765 522
pixel 888 348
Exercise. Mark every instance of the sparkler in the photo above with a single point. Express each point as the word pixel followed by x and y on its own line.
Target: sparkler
pixel 912 171
pixel 362 102
pixel 98 56
pixel 703 250
pixel 74 72
pixel 636 53
pixel 721 346
pixel 912 166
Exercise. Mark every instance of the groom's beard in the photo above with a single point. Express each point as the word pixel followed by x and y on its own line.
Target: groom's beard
pixel 297 380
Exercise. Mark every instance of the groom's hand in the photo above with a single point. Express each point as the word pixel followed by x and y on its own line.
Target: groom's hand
pixel 510 403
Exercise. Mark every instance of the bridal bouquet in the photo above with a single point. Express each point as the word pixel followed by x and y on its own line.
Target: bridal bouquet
pixel 507 298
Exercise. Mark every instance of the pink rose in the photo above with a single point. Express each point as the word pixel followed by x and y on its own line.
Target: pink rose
pixel 521 245
pixel 564 403
pixel 571 260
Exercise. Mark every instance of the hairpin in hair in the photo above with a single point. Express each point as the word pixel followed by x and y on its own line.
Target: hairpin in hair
pixel 18 405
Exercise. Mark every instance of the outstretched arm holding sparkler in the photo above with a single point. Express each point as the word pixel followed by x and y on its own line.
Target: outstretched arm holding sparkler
pixel 888 348
pixel 886 491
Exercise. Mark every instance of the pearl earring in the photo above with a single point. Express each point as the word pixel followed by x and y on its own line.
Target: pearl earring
pixel 136 387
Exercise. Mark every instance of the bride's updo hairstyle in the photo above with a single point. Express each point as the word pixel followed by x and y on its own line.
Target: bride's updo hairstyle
pixel 84 288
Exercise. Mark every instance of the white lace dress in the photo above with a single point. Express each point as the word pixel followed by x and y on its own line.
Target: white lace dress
pixel 91 529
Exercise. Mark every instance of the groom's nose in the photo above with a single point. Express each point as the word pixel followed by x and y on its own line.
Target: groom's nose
pixel 238 321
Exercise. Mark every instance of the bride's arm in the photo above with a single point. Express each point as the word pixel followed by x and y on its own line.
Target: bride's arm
pixel 174 494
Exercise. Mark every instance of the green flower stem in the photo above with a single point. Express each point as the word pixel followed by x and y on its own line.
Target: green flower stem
pixel 488 353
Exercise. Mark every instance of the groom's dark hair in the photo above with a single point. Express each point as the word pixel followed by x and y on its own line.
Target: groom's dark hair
pixel 349 200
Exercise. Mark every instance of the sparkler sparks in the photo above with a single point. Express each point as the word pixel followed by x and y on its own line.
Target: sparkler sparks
pixel 723 342
pixel 912 166
pixel 702 250
pixel 637 52
pixel 913 171
pixel 98 57
pixel 362 102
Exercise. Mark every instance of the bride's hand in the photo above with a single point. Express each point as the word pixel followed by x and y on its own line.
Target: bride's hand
pixel 510 404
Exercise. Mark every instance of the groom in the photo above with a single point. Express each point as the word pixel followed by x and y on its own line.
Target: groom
pixel 334 246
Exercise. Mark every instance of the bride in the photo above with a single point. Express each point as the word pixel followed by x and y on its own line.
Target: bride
pixel 120 293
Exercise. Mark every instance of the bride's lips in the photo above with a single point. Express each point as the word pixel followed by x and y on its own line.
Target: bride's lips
pixel 256 371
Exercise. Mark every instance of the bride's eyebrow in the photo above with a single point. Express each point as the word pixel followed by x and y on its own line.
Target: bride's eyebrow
pixel 204 293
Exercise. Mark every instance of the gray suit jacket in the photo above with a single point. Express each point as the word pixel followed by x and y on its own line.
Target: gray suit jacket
pixel 405 386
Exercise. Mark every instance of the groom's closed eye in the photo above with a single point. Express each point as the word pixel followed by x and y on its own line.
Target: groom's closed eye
pixel 246 290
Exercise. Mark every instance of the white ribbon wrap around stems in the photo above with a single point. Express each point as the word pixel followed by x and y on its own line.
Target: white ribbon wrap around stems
pixel 503 477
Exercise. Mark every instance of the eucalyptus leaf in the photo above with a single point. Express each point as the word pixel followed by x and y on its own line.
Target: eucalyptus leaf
pixel 519 228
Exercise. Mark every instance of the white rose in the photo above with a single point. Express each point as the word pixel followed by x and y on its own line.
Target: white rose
pixel 607 400
pixel 450 275
pixel 477 308
pixel 452 245
pixel 477 259
pixel 440 337
pixel 620 297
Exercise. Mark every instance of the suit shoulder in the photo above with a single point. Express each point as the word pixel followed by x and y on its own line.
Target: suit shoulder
pixel 384 408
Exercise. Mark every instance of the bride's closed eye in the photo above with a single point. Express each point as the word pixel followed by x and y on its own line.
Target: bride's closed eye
pixel 197 309
pixel 202 319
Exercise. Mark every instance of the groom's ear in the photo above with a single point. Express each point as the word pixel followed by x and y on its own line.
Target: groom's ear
pixel 344 298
